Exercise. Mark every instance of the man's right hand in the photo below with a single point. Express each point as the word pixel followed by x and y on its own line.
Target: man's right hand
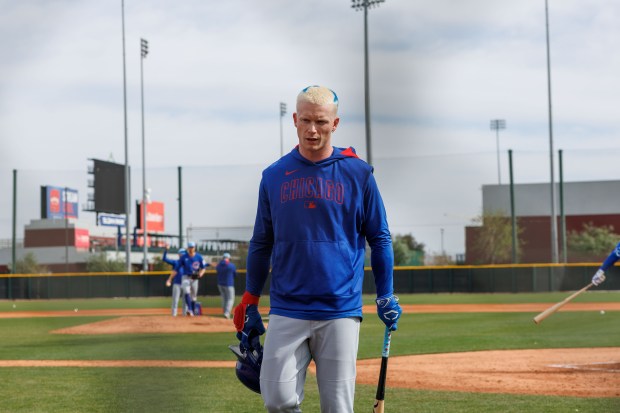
pixel 247 318
pixel 598 278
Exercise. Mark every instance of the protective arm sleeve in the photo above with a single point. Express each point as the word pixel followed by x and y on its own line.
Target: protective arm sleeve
pixel 166 259
pixel 379 239
pixel 261 246
pixel 611 259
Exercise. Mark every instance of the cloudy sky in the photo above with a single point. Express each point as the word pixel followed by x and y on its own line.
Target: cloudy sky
pixel 216 73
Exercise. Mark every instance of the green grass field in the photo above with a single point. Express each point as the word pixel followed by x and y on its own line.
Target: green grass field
pixel 46 389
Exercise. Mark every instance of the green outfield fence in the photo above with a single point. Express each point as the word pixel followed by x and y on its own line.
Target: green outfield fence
pixel 519 278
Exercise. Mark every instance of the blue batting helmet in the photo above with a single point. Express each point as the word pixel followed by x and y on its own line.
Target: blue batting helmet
pixel 249 362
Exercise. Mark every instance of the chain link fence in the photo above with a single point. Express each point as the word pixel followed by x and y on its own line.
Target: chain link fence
pixel 432 197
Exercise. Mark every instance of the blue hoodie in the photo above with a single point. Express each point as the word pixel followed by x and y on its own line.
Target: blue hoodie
pixel 176 266
pixel 312 224
pixel 611 259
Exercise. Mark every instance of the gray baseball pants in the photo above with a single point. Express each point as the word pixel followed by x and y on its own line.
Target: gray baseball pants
pixel 290 345
pixel 228 298
pixel 176 296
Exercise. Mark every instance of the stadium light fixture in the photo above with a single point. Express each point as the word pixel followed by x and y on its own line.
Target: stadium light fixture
pixel 364 5
pixel 496 125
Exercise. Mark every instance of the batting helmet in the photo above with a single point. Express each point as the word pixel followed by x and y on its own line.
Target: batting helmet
pixel 249 362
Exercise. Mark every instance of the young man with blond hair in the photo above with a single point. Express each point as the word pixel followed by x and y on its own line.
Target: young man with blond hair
pixel 317 207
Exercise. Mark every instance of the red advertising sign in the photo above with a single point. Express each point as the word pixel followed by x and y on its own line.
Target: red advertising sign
pixel 154 216
pixel 82 239
pixel 54 201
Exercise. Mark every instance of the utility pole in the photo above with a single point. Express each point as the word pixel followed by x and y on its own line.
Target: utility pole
pixel 144 50
pixel 282 113
pixel 554 224
pixel 364 5
pixel 127 182
pixel 496 125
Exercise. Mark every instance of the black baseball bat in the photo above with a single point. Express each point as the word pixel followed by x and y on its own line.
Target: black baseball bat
pixel 380 397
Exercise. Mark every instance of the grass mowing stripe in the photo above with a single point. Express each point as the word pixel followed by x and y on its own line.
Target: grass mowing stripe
pixel 417 334
pixel 217 390
pixel 215 301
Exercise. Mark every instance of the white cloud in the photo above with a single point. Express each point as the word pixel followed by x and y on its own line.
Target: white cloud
pixel 217 71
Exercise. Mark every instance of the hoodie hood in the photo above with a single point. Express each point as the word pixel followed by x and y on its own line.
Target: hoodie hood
pixel 337 154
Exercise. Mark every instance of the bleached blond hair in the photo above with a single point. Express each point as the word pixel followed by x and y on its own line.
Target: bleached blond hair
pixel 318 95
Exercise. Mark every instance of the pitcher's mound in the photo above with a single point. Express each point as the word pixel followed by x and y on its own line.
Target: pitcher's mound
pixel 153 324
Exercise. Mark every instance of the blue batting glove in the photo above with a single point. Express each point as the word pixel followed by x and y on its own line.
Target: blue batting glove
pixel 252 326
pixel 389 311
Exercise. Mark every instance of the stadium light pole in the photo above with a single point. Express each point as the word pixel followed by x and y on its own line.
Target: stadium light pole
pixel 282 113
pixel 496 125
pixel 144 50
pixel 127 191
pixel 13 233
pixel 364 5
pixel 554 224
pixel 443 250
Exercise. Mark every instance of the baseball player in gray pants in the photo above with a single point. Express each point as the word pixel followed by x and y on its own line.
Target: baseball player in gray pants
pixel 317 207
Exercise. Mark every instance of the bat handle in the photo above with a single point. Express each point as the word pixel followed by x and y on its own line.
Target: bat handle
pixel 385 353
pixel 387 339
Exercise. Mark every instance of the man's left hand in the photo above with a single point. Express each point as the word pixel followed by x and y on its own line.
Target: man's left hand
pixel 389 311
pixel 598 278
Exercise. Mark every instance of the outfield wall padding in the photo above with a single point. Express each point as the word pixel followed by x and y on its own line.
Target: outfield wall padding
pixel 407 280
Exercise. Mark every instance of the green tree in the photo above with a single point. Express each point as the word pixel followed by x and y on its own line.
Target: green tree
pixel 440 259
pixel 242 254
pixel 29 265
pixel 410 242
pixel 401 253
pixel 160 265
pixel 100 263
pixel 592 242
pixel 407 251
pixel 493 244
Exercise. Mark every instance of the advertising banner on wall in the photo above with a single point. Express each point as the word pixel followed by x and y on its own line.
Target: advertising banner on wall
pixel 82 239
pixel 154 216
pixel 59 202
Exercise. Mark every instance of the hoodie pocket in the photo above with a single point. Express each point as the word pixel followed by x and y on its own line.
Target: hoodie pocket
pixel 312 268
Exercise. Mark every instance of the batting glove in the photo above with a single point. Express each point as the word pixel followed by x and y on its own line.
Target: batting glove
pixel 247 318
pixel 598 278
pixel 389 310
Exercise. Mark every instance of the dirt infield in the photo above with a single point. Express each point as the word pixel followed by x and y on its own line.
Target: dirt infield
pixel 582 372
pixel 153 324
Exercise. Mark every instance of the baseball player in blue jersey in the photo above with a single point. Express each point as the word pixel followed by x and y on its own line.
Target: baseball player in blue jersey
pixel 194 268
pixel 599 276
pixel 226 273
pixel 175 278
pixel 317 208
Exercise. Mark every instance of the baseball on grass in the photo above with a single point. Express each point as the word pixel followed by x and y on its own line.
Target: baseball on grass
pixel 602 312
pixel 75 309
